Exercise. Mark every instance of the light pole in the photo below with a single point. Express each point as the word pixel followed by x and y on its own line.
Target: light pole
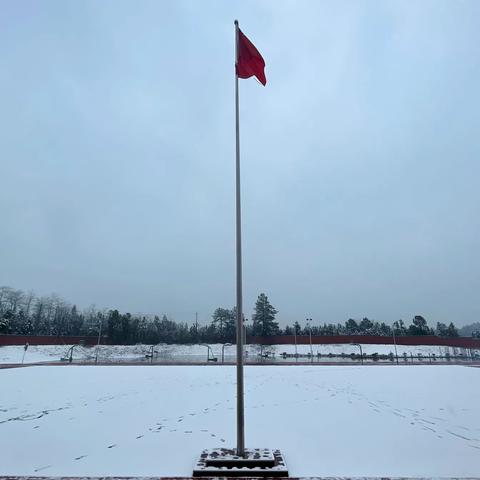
pixel 209 349
pixel 70 358
pixel 361 352
pixel 98 340
pixel 223 350
pixel 25 348
pixel 309 323
pixel 395 341
pixel 295 332
pixel 196 326
pixel 151 353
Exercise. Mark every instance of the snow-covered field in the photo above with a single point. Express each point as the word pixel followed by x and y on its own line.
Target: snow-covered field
pixel 45 353
pixel 53 353
pixel 155 420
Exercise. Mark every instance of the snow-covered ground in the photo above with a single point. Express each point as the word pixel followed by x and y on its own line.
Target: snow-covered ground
pixel 338 349
pixel 155 420
pixel 49 353
pixel 45 353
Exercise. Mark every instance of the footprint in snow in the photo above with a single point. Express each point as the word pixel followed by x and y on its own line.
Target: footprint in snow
pixel 426 421
pixel 459 436
pixel 113 445
pixel 428 428
pixel 39 469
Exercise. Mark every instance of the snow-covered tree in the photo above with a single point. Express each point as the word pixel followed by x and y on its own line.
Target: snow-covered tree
pixel 264 323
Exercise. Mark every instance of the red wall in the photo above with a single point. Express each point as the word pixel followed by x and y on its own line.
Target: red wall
pixel 465 342
pixel 46 340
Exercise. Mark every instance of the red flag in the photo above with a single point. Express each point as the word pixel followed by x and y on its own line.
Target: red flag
pixel 249 62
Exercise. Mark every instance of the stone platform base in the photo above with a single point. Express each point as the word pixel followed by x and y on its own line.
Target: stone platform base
pixel 257 462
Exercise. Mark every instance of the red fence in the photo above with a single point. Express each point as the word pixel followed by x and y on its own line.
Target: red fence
pixel 46 340
pixel 465 342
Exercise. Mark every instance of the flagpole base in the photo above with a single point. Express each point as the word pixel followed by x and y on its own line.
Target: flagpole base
pixel 257 462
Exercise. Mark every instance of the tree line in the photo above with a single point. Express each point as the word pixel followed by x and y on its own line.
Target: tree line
pixel 25 313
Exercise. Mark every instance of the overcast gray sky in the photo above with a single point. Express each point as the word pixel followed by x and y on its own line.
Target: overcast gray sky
pixel 360 157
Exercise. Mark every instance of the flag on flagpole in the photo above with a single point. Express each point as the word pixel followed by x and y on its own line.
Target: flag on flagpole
pixel 249 63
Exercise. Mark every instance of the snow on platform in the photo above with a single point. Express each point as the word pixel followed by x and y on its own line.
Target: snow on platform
pixel 230 478
pixel 155 421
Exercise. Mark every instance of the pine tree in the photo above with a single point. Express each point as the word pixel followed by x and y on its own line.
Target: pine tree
pixel 224 321
pixel 351 326
pixel 297 329
pixel 442 330
pixel 419 326
pixel 366 326
pixel 400 329
pixel 452 331
pixel 5 323
pixel 264 323
pixel 288 330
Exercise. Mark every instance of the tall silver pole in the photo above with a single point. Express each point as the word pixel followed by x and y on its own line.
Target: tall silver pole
pixel 240 405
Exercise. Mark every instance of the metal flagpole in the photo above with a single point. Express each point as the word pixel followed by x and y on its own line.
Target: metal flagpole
pixel 263 462
pixel 240 406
